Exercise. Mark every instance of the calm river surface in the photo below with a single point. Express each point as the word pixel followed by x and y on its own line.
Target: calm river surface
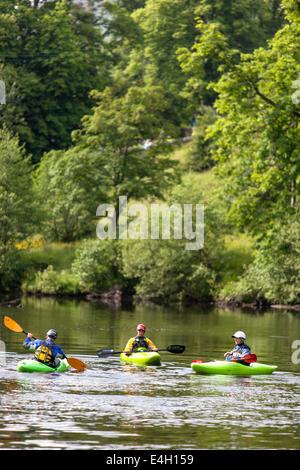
pixel 115 406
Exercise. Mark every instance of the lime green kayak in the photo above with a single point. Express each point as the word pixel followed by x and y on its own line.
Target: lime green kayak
pixel 142 358
pixel 231 368
pixel 31 365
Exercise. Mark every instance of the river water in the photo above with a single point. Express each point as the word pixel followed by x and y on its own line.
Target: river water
pixel 124 407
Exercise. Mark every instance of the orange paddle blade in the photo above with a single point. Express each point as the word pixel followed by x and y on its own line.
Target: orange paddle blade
pixel 249 358
pixel 76 363
pixel 12 325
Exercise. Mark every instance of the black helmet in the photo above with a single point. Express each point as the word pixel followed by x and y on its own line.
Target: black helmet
pixel 52 334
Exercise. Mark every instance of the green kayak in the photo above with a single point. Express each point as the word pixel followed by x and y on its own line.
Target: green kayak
pixel 31 365
pixel 231 368
pixel 142 358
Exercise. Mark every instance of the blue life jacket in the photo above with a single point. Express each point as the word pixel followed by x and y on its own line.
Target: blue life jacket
pixel 238 352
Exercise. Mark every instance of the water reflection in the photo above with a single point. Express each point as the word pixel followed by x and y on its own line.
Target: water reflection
pixel 225 380
pixel 123 406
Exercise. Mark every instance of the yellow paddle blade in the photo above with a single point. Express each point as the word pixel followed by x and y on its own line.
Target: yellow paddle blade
pixel 12 325
pixel 76 363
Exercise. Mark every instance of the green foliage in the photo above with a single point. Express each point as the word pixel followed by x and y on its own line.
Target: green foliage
pixel 166 272
pixel 16 199
pixel 69 184
pixel 49 60
pixel 257 136
pixel 51 282
pixel 273 277
pixel 241 25
pixel 98 266
pixel 117 129
pixel 202 147
pixel 246 24
pixel 164 269
pixel 10 269
pixel 146 67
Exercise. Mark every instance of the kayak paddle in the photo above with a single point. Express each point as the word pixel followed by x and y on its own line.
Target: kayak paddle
pixel 76 363
pixel 175 349
pixel 14 326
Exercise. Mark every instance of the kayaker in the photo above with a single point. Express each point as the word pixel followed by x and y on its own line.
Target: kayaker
pixel 139 341
pixel 46 351
pixel 240 349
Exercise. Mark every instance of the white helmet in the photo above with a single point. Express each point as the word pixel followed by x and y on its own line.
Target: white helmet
pixel 239 334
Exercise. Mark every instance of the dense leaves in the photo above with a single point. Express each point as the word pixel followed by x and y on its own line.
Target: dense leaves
pixel 49 60
pixel 257 135
pixel 99 100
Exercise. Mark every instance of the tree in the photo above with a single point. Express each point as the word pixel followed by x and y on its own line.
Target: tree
pixel 16 198
pixel 201 155
pixel 144 41
pixel 164 270
pixel 246 24
pixel 49 61
pixel 256 136
pixel 166 25
pixel 241 25
pixel 116 131
pixel 98 265
pixel 69 185
pixel 258 131
pixel 16 207
pixel 273 276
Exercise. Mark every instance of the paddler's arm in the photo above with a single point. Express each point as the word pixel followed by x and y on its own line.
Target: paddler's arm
pixel 29 344
pixel 151 345
pixel 60 354
pixel 128 347
pixel 229 355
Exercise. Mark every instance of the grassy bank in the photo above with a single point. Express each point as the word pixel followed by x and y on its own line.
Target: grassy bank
pixel 79 269
pixel 226 269
pixel 49 268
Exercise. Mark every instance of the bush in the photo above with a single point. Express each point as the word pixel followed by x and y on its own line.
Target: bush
pixel 201 148
pixel 68 184
pixel 51 282
pixel 274 275
pixel 98 265
pixel 10 269
pixel 166 272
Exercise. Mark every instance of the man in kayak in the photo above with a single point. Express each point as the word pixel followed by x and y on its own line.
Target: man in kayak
pixel 46 352
pixel 240 350
pixel 139 341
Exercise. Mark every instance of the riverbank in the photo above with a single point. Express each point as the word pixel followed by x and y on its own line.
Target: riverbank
pixel 229 271
pixel 96 271
pixel 115 298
